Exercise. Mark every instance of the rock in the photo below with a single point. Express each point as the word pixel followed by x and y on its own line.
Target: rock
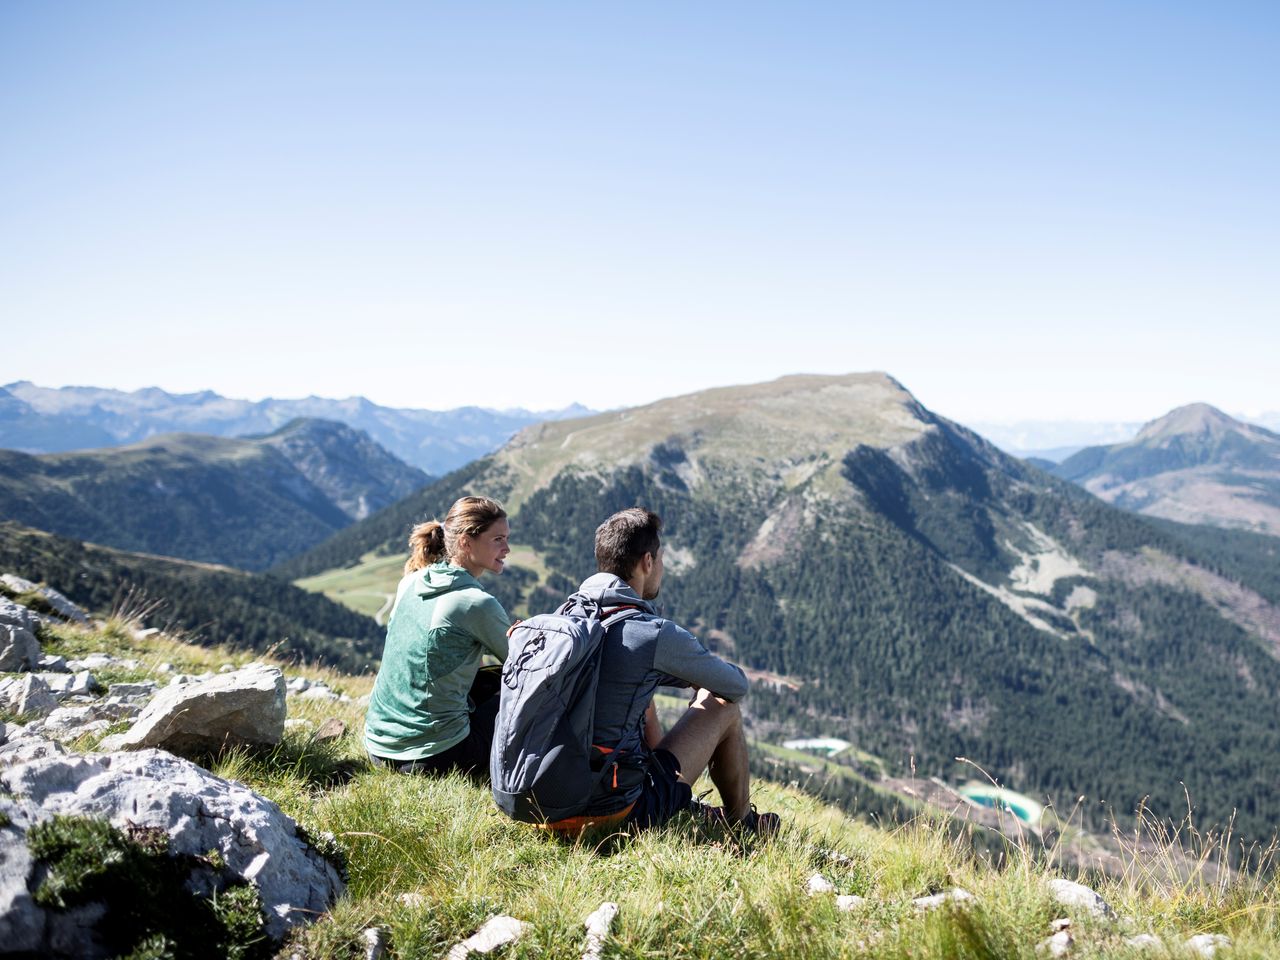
pixel 97 661
pixel 1144 940
pixel 16 615
pixel 153 789
pixel 57 602
pixel 64 723
pixel 849 901
pixel 331 729
pixel 954 895
pixel 64 685
pixel 244 707
pixel 412 900
pixel 497 931
pixel 1058 945
pixel 27 696
pixel 598 926
pixel 52 663
pixel 166 668
pixel 134 691
pixel 819 884
pixel 318 692
pixel 19 648
pixel 297 684
pixel 144 633
pixel 1208 944
pixel 375 944
pixel 24 750
pixel 1077 895
pixel 297 723
pixel 227 668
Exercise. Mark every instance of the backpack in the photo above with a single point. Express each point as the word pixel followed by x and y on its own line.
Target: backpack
pixel 543 765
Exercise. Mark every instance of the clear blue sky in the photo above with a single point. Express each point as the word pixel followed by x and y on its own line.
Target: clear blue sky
pixel 1021 210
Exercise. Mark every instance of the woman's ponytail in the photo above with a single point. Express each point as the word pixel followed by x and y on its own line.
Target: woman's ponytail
pixel 426 545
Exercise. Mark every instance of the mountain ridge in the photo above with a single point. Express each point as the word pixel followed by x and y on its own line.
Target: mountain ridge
pixel 242 502
pixel 1196 464
pixel 36 419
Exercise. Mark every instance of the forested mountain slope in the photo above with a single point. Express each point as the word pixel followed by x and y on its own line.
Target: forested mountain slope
pixel 246 503
pixel 925 595
pixel 207 604
pixel 1195 465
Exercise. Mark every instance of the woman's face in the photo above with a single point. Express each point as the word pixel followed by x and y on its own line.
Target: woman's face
pixel 487 550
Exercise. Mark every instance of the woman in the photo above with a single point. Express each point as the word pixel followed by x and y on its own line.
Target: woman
pixel 421 719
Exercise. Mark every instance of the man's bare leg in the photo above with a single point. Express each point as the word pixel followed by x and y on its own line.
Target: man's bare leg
pixel 709 737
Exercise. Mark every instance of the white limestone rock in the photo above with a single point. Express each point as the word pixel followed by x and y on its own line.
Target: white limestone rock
pixel 1077 895
pixel 849 901
pixel 151 788
pixel 1208 944
pixel 141 690
pixel 19 648
pixel 52 663
pixel 1144 941
pixel 819 884
pixel 27 695
pixel 598 925
pixel 497 932
pixel 59 603
pixel 243 707
pixel 65 685
pixel 375 944
pixel 957 895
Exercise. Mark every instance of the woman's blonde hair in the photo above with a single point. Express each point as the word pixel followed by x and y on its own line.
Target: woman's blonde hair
pixel 435 540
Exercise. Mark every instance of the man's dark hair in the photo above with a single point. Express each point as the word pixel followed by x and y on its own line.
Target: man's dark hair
pixel 624 539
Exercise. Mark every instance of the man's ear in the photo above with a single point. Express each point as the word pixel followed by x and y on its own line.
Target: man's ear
pixel 645 565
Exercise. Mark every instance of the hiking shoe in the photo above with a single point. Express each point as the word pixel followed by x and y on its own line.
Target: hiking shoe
pixel 706 814
pixel 763 825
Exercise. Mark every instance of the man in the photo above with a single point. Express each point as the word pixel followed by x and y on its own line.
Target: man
pixel 644 652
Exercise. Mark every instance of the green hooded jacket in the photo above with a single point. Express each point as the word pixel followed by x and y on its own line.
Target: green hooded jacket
pixel 440 628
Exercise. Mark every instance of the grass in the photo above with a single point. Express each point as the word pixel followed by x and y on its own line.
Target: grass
pixel 430 860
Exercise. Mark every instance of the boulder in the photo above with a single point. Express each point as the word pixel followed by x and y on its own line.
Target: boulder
pixel 1077 895
pixel 27 696
pixel 19 648
pixel 202 816
pixel 243 707
pixel 52 663
pixel 64 685
pixel 57 602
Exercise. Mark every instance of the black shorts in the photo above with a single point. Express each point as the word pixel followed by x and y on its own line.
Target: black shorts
pixel 663 795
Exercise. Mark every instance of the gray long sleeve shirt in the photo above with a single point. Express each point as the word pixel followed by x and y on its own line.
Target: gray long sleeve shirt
pixel 641 654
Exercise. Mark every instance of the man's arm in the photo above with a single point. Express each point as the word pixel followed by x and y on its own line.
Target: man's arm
pixel 652 728
pixel 681 655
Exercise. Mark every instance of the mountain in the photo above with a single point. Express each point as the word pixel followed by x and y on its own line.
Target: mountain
pixel 207 604
pixel 895 580
pixel 37 419
pixel 1195 465
pixel 346 465
pixel 246 503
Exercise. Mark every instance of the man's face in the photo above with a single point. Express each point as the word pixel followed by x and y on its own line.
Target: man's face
pixel 654 583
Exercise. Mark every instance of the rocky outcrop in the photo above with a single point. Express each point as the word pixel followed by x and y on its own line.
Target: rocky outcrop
pixel 19 648
pixel 246 706
pixel 55 601
pixel 227 834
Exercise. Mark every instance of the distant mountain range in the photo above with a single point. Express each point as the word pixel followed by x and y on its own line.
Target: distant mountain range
pixel 1055 440
pixel 247 503
pixel 37 419
pixel 891 578
pixel 1195 465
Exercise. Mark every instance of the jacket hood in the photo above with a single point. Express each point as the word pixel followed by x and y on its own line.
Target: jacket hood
pixel 611 591
pixel 442 578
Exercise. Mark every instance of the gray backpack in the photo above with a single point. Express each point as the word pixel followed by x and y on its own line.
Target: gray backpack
pixel 543 764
